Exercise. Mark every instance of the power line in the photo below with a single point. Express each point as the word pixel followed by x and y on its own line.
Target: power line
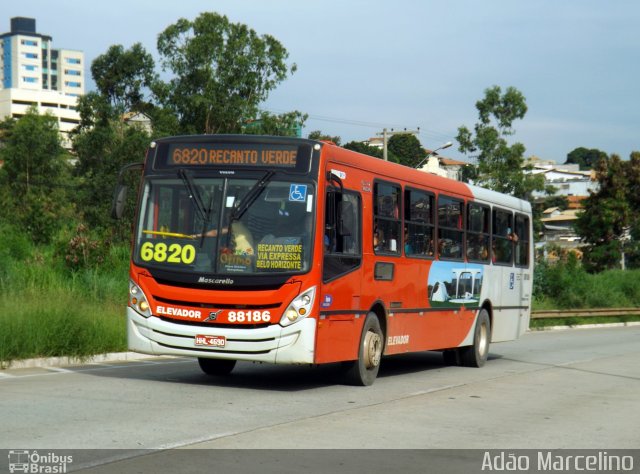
pixel 430 134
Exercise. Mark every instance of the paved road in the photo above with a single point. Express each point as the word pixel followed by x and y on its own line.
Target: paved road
pixel 561 389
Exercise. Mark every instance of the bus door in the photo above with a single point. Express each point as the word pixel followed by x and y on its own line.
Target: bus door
pixel 341 315
pixel 523 265
pixel 508 274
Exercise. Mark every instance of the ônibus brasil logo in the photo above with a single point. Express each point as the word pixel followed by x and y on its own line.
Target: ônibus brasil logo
pixel 23 460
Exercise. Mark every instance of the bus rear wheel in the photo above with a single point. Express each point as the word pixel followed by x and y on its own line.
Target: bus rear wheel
pixel 476 355
pixel 216 366
pixel 365 370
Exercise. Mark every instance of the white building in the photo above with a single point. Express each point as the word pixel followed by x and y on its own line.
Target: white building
pixel 139 120
pixel 32 73
pixel 559 225
pixel 441 166
pixel 568 180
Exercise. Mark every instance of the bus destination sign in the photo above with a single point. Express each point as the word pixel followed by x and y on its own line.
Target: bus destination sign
pixel 232 155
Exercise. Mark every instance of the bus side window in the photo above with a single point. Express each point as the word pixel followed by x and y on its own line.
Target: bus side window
pixel 387 218
pixel 522 241
pixel 450 228
pixel 419 223
pixel 342 233
pixel 478 218
pixel 503 237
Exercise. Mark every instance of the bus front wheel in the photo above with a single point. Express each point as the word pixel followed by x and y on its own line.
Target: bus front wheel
pixel 216 366
pixel 365 370
pixel 476 355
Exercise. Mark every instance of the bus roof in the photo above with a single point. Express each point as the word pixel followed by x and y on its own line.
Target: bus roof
pixel 413 176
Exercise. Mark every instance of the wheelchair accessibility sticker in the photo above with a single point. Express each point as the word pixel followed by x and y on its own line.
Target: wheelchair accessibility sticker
pixel 298 192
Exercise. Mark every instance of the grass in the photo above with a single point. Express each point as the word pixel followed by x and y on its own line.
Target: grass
pixel 47 311
pixel 569 286
pixel 55 322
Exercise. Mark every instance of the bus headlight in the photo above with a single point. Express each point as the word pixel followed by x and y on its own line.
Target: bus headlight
pixel 138 300
pixel 299 308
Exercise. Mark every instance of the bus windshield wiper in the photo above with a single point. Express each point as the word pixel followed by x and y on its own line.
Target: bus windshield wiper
pixel 206 220
pixel 248 199
pixel 196 198
pixel 194 194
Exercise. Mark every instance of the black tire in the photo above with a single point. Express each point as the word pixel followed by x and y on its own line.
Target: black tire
pixel 364 371
pixel 476 355
pixel 216 367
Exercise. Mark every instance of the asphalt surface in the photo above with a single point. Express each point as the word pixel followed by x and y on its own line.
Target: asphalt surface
pixel 562 389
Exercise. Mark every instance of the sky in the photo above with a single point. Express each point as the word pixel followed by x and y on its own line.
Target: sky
pixel 365 65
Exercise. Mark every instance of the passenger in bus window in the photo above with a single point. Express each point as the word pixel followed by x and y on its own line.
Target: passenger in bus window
pixel 378 240
pixel 443 246
pixel 327 239
pixel 477 248
pixel 484 252
pixel 473 248
pixel 430 248
pixel 408 247
pixel 388 207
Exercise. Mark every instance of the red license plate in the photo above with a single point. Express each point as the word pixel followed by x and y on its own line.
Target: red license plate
pixel 210 341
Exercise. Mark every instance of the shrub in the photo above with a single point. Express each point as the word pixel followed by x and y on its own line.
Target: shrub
pixel 567 285
pixel 82 249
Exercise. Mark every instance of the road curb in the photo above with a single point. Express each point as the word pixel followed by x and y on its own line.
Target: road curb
pixel 584 326
pixel 70 360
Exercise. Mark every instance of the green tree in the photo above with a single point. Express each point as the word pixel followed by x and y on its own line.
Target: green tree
pixel 586 158
pixel 221 72
pixel 102 150
pixel 500 165
pixel 121 76
pixel 407 148
pixel 606 216
pixel 288 124
pixel 469 173
pixel 632 248
pixel 369 150
pixel 319 135
pixel 36 173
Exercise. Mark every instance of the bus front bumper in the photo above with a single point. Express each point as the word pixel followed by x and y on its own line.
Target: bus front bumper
pixel 275 344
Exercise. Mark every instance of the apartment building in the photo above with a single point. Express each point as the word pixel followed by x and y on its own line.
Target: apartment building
pixel 33 73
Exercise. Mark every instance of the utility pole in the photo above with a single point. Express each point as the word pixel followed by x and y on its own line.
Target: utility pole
pixel 386 134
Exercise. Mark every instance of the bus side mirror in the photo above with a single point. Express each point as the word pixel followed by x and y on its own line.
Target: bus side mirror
pixel 120 194
pixel 119 198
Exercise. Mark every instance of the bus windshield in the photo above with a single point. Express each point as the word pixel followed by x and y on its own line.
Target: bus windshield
pixel 224 226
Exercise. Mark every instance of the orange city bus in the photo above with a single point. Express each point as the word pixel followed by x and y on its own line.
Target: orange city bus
pixel 295 251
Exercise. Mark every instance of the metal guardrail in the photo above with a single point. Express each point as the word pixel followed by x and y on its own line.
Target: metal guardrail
pixel 584 313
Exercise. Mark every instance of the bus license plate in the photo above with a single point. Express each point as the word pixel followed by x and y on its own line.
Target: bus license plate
pixel 211 341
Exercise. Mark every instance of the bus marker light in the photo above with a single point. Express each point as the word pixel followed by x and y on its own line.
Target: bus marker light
pixel 138 300
pixel 299 308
